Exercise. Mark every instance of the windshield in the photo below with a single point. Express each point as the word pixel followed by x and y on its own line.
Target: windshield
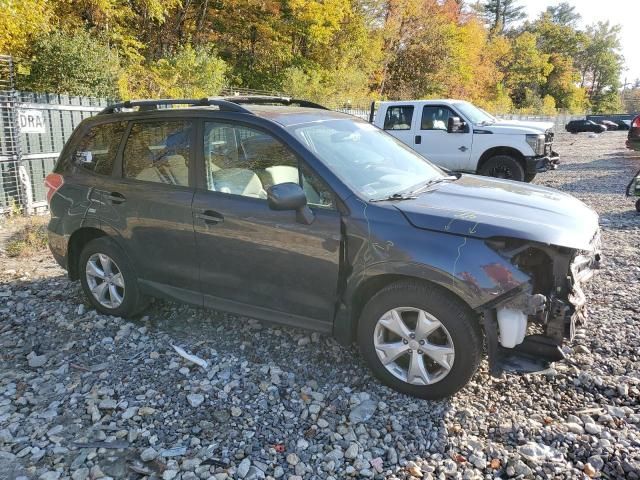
pixel 474 114
pixel 370 161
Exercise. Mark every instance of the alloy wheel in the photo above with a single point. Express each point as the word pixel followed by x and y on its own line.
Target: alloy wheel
pixel 414 346
pixel 105 280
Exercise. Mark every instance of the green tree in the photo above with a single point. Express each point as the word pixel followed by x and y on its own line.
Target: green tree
pixel 563 14
pixel 562 42
pixel 72 64
pixel 525 68
pixel 600 64
pixel 189 73
pixel 501 14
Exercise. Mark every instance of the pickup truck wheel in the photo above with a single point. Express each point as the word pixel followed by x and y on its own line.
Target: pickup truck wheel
pixel 503 166
pixel 638 205
pixel 420 340
pixel 109 283
pixel 528 177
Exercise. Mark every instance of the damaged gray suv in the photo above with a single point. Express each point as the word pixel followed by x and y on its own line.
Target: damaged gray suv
pixel 284 211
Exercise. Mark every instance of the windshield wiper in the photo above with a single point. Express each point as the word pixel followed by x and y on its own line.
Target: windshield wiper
pixel 395 196
pixel 430 183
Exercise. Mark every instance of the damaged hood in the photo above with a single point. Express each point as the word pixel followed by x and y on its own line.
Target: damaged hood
pixel 486 207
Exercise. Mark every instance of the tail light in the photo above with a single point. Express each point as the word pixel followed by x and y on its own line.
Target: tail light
pixel 636 122
pixel 52 183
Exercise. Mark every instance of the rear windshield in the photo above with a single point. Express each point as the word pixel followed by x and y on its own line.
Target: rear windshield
pixel 97 149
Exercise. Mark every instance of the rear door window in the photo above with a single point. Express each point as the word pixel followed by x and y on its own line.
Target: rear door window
pixel 159 152
pixel 98 148
pixel 398 117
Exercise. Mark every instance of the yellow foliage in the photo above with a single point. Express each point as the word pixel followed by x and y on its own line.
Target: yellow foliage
pixel 20 22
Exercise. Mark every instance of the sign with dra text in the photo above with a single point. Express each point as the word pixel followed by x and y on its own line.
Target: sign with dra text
pixel 31 121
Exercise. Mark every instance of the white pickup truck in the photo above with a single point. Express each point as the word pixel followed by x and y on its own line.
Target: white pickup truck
pixel 460 136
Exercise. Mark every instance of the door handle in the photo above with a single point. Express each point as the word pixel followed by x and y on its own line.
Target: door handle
pixel 418 139
pixel 463 148
pixel 210 217
pixel 115 198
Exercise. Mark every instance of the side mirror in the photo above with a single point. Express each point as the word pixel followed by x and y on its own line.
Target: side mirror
pixel 455 125
pixel 290 196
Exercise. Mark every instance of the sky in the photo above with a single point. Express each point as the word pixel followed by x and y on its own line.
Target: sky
pixel 623 12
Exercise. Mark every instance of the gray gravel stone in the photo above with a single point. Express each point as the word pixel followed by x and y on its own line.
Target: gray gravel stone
pixel 195 399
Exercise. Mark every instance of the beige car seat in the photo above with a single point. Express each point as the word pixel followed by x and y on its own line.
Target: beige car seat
pixel 171 169
pixel 239 181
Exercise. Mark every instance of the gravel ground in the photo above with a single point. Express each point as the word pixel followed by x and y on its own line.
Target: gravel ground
pixel 88 396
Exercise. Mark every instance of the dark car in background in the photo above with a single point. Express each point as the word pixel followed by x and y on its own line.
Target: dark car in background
pixel 633 137
pixel 578 126
pixel 300 215
pixel 609 124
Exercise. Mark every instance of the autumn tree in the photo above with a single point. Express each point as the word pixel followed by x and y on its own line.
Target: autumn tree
pixel 73 64
pixel 20 22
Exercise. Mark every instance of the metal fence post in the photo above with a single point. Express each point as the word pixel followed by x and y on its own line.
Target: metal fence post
pixel 11 191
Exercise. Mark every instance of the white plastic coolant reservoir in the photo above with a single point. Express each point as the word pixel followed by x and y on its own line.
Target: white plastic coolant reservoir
pixel 513 327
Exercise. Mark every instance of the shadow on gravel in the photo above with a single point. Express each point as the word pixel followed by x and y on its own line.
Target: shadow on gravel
pixel 608 164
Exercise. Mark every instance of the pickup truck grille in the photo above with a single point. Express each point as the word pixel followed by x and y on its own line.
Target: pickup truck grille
pixel 548 142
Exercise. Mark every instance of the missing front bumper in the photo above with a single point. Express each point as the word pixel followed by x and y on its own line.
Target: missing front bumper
pixel 543 164
pixel 536 353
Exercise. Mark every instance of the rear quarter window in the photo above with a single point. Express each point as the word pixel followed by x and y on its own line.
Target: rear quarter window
pixel 97 149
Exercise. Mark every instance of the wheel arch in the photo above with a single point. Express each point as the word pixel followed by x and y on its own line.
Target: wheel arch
pixel 492 152
pixel 77 241
pixel 366 289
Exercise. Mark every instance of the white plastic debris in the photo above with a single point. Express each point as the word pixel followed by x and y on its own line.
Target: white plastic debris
pixel 192 358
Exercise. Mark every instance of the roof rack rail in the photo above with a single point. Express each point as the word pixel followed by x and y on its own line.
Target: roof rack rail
pixel 268 100
pixel 146 105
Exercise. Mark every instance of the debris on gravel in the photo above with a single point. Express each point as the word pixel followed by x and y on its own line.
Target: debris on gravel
pixel 86 396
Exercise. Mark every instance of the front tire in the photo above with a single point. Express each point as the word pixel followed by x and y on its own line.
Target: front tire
pixel 638 205
pixel 108 281
pixel 420 340
pixel 503 166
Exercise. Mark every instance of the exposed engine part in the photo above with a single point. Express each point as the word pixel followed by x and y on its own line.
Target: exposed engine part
pixel 513 326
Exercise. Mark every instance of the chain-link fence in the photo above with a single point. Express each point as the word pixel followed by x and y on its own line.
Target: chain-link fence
pixel 33 129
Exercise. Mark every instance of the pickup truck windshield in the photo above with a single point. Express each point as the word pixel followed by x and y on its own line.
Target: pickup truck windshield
pixel 474 114
pixel 370 161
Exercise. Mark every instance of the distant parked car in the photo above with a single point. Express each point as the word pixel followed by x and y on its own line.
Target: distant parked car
pixel 577 126
pixel 633 139
pixel 609 124
pixel 622 124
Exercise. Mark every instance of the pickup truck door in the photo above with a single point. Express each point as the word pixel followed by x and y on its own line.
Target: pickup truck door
pixel 449 150
pixel 400 121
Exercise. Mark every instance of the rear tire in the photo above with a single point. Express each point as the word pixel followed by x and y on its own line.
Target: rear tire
pixel 638 205
pixel 440 343
pixel 503 166
pixel 528 177
pixel 108 281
